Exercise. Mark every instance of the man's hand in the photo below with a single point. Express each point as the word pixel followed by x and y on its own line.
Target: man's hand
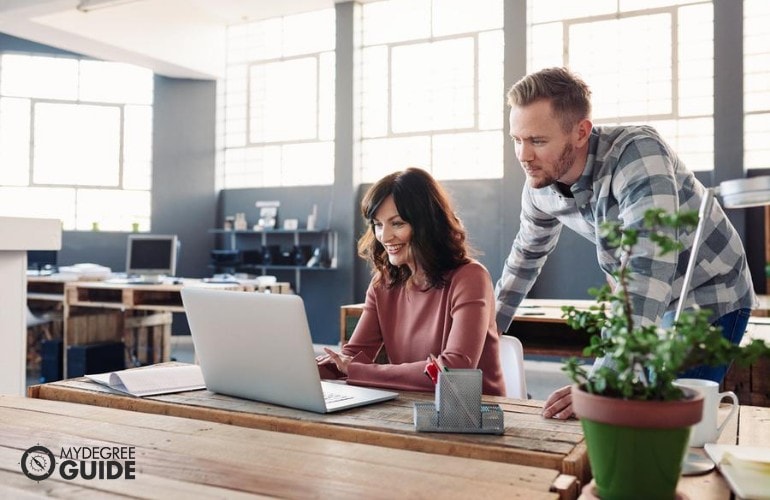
pixel 559 404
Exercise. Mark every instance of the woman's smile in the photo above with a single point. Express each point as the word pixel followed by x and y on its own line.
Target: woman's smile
pixel 393 248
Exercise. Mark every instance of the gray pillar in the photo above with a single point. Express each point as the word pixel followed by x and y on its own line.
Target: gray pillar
pixel 344 211
pixel 728 99
pixel 515 62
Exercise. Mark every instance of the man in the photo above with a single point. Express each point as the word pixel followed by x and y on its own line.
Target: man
pixel 580 176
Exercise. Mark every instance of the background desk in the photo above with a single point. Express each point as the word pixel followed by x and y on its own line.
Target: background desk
pixel 138 315
pixel 183 458
pixel 528 438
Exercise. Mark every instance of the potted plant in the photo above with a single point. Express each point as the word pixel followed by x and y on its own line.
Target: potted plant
pixel 635 421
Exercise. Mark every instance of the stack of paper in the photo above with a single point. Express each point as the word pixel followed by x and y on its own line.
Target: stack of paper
pixel 746 468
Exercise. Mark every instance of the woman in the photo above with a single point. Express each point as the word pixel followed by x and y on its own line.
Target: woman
pixel 427 296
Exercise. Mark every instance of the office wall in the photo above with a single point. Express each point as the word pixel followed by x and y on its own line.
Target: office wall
pixel 323 290
pixel 183 197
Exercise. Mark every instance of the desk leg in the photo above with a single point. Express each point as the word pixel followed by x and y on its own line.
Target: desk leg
pixel 65 333
pixel 148 337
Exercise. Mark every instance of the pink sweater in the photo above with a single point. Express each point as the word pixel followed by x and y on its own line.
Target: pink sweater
pixel 456 323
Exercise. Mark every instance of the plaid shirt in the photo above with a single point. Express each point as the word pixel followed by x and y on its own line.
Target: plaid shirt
pixel 628 171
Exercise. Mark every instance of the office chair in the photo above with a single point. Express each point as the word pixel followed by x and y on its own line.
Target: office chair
pixel 512 361
pixel 40 323
pixel 39 329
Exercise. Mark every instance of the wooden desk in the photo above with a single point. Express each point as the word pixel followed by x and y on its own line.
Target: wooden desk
pixel 46 289
pixel 98 311
pixel 751 428
pixel 540 326
pixel 178 457
pixel 538 323
pixel 144 319
pixel 528 439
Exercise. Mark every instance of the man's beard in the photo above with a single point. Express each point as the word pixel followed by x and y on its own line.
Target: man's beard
pixel 561 167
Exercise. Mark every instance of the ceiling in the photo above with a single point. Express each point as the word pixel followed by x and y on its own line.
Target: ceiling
pixel 175 38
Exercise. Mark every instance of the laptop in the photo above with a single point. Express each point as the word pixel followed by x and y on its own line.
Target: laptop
pixel 258 346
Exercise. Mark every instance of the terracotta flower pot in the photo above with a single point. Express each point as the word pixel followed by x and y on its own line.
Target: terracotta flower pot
pixel 636 447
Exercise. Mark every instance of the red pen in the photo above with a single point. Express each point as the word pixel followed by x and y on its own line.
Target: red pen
pixel 431 370
pixel 436 362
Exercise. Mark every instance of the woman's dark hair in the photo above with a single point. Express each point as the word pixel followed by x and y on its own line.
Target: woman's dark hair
pixel 438 237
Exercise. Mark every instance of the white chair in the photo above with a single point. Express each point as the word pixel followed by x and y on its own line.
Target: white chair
pixel 512 361
pixel 38 322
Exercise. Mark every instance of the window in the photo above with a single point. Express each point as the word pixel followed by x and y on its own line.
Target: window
pixel 277 126
pixel 75 139
pixel 756 93
pixel 431 88
pixel 662 76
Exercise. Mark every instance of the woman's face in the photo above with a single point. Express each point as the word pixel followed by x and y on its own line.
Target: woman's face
pixel 394 233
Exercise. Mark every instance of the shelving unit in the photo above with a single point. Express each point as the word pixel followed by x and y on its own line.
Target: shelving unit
pixel 248 244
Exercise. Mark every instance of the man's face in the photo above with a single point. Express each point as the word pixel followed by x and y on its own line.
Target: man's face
pixel 545 151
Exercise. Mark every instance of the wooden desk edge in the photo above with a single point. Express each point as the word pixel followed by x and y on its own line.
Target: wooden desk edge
pixel 544 483
pixel 571 465
pixel 568 487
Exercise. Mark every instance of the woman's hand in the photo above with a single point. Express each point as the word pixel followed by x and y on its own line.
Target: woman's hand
pixel 340 360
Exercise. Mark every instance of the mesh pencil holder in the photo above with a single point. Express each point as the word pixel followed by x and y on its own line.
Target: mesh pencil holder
pixel 458 406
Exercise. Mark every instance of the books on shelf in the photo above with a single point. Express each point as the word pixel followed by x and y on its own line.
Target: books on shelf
pixel 152 380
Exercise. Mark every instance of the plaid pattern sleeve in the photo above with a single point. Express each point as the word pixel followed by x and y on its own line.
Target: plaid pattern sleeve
pixel 537 237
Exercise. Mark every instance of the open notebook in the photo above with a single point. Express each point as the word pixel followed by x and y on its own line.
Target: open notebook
pixel 152 381
pixel 258 346
pixel 746 468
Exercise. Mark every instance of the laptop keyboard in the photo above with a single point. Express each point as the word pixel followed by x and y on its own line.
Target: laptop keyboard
pixel 331 397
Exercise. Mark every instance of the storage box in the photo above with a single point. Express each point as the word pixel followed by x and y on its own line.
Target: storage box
pixel 94 358
pixel 51 360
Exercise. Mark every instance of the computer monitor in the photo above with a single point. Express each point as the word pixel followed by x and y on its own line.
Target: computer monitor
pixel 151 256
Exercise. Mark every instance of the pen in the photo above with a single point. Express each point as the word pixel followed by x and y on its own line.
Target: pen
pixel 431 371
pixel 434 360
pixel 433 368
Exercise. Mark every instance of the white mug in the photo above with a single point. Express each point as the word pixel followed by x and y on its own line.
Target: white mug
pixel 707 430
